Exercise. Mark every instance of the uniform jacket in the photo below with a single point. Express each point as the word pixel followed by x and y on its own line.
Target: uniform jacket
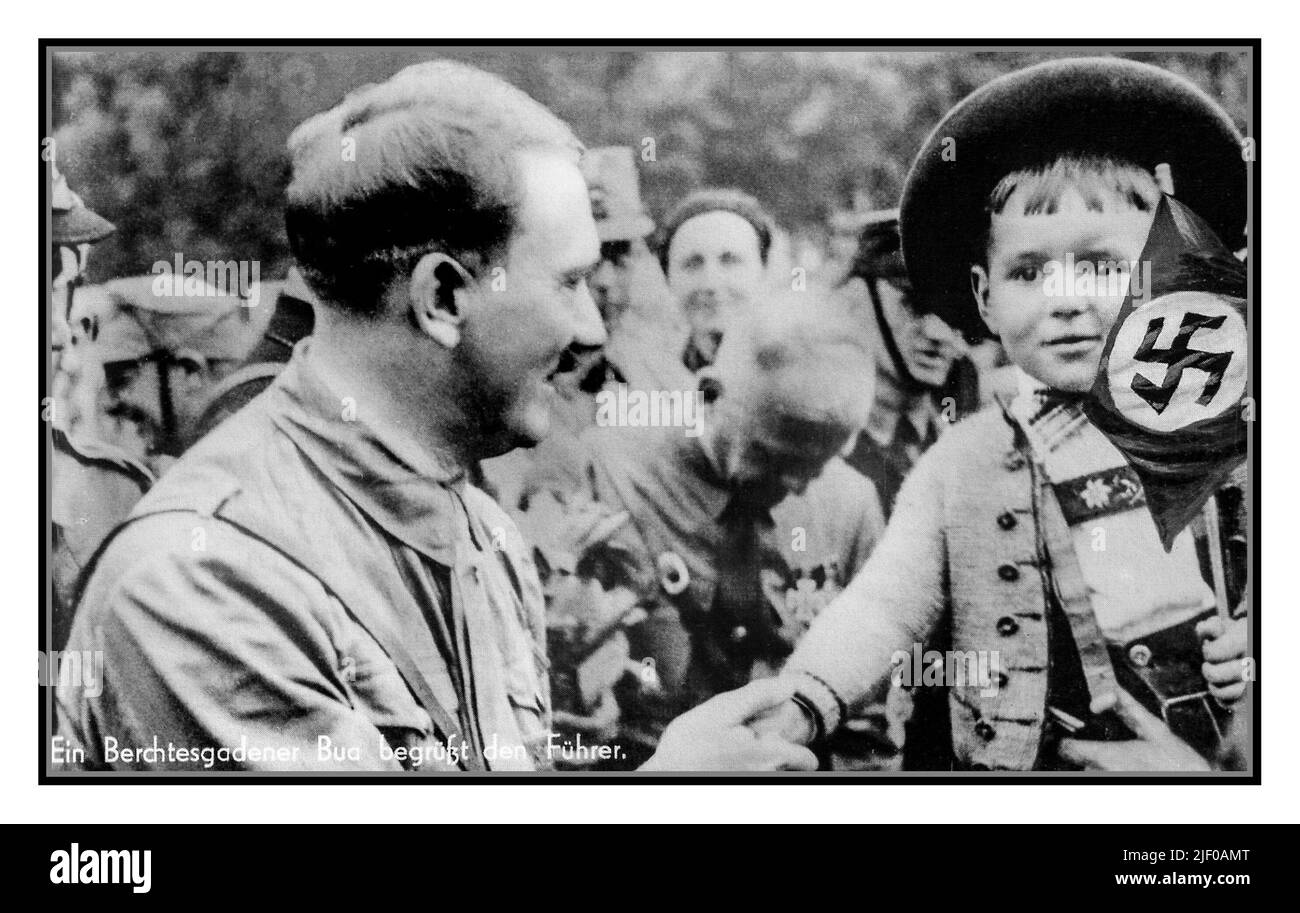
pixel 664 481
pixel 299 577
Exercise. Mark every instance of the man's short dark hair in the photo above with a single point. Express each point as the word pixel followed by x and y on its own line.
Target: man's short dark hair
pixel 423 162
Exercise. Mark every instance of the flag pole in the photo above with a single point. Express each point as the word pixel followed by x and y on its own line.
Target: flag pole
pixel 1214 541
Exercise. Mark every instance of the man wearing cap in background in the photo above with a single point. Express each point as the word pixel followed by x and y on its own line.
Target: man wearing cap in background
pixel 94 484
pixel 74 229
pixel 646 327
pixel 993 536
pixel 714 248
pixel 919 362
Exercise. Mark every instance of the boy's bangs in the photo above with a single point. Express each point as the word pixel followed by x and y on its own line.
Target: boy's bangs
pixel 1099 181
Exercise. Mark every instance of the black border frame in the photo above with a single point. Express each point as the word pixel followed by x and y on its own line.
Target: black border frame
pixel 44 696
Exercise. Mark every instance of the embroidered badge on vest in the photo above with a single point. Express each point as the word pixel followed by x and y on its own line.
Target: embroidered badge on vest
pixel 1099 494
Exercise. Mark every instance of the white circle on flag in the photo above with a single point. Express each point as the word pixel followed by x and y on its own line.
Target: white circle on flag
pixel 1172 398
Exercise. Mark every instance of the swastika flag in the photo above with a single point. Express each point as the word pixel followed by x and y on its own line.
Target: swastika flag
pixel 1171 385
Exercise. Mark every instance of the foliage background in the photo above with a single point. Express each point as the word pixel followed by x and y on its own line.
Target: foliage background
pixel 184 151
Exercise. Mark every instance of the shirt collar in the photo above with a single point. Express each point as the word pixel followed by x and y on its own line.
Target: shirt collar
pixel 413 494
pixel 891 405
pixel 704 475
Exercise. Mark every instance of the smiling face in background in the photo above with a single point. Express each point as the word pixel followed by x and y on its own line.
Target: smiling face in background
pixel 610 285
pixel 518 333
pixel 715 270
pixel 1056 338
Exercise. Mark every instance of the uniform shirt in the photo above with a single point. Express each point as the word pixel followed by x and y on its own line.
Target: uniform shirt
pixel 676 499
pixel 215 637
pixel 93 488
pixel 899 429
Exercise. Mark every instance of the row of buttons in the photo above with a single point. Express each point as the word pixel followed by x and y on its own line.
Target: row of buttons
pixel 1007 626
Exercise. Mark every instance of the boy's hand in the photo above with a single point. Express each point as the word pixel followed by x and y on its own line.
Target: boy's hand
pixel 1224 648
pixel 714 736
pixel 1156 748
pixel 784 721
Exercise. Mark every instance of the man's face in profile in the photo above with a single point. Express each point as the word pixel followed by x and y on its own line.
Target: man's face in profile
pixel 928 346
pixel 529 310
pixel 611 284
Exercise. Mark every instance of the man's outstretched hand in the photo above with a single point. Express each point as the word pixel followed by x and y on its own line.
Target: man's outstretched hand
pixel 717 736
pixel 1155 747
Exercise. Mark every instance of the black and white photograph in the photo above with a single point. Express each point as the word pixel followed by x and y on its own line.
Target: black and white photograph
pixel 600 412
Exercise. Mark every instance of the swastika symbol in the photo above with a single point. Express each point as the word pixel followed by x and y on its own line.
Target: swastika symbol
pixel 1180 356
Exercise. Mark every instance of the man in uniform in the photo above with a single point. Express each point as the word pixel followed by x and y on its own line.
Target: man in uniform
pixel 750 519
pixel 315 585
pixel 918 360
pixel 150 358
pixel 646 327
pixel 94 485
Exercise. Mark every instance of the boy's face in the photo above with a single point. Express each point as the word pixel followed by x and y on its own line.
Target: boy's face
pixel 1051 330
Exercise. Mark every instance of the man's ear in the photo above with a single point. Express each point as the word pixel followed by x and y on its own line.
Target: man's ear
pixel 979 287
pixel 436 284
pixel 710 384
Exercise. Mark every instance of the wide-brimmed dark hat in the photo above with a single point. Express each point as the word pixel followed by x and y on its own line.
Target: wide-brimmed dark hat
pixel 879 254
pixel 1095 106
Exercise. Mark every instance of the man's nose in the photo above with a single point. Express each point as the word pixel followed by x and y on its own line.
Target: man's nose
pixel 712 277
pixel 796 479
pixel 603 279
pixel 1067 307
pixel 935 330
pixel 589 329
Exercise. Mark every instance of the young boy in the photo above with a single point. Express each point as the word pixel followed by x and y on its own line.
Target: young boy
pixel 1023 533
